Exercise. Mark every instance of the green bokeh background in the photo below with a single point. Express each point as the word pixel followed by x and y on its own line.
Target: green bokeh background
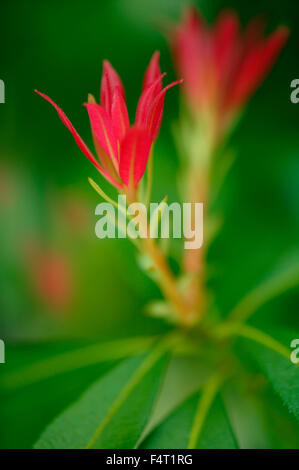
pixel 57 47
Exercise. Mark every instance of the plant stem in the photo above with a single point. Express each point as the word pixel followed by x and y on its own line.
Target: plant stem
pixel 168 283
pixel 198 187
pixel 166 280
pixel 194 260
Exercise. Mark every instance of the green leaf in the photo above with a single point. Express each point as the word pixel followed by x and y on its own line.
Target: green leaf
pixel 280 371
pixel 274 358
pixel 184 377
pixel 27 405
pixel 114 411
pixel 25 412
pixel 217 431
pixel 246 414
pixel 176 431
pixel 48 377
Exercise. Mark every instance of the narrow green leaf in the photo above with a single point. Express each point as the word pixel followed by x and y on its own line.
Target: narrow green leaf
pixel 99 190
pixel 114 411
pixel 283 278
pixel 228 329
pixel 72 360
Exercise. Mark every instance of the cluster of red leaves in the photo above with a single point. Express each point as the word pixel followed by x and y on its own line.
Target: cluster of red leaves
pixel 222 66
pixel 122 150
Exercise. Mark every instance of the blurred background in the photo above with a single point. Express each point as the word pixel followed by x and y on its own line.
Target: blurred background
pixel 57 279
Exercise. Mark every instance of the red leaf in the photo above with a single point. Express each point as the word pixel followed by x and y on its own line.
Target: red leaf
pixel 119 114
pixel 155 113
pixel 152 72
pixel 134 152
pixel 146 100
pixel 226 41
pixel 193 48
pixel 81 144
pixel 110 80
pixel 102 128
pixel 256 65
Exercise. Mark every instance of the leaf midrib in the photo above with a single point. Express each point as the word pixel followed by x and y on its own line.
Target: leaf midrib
pixel 147 364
